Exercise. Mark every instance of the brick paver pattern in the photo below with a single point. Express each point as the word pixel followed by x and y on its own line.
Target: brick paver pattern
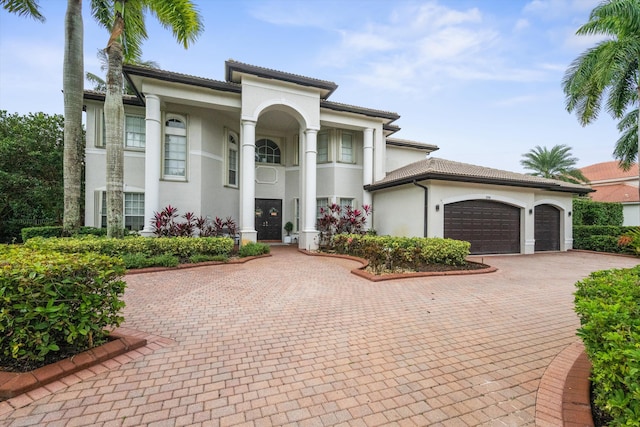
pixel 298 340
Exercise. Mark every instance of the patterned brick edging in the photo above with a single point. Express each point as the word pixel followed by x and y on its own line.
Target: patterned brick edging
pixel 13 384
pixel 361 272
pixel 195 265
pixel 563 394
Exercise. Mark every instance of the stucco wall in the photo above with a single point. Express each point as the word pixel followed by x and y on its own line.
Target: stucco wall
pixel 400 156
pixel 631 214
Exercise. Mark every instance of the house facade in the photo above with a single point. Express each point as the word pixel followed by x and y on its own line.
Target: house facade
pixel 266 147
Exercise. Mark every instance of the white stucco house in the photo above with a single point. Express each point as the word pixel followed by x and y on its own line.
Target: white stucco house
pixel 266 147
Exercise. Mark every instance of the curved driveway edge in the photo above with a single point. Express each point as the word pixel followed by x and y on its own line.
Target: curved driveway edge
pixel 297 340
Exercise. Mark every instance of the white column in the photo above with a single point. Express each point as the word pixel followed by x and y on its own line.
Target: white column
pixel 248 231
pixel 310 234
pixel 367 165
pixel 152 164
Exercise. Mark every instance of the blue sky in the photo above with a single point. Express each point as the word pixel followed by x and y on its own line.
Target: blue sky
pixel 479 78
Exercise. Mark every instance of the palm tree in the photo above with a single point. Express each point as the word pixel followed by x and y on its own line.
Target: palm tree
pixel 556 163
pixel 73 88
pixel 124 19
pixel 609 71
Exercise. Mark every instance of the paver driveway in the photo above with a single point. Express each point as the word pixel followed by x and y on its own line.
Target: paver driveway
pixel 298 340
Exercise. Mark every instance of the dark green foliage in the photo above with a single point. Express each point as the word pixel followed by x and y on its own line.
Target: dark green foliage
pixel 603 238
pixel 204 258
pixel 53 301
pixel 588 212
pixel 390 253
pixel 179 247
pixel 253 249
pixel 31 185
pixel 56 231
pixel 608 305
pixel 140 260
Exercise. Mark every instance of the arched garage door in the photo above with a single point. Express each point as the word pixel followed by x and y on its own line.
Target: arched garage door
pixel 491 227
pixel 547 232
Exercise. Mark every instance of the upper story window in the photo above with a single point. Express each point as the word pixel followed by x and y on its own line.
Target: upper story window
pixel 134 131
pixel 323 147
pixel 175 147
pixel 232 159
pixel 347 148
pixel 267 151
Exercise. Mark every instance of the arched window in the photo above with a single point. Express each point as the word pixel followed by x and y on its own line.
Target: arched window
pixel 175 147
pixel 267 151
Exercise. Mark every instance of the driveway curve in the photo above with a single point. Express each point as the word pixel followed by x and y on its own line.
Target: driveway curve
pixel 298 340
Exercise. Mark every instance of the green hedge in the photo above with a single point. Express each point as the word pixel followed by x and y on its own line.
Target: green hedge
pixel 599 238
pixel 390 253
pixel 180 247
pixel 53 301
pixel 56 231
pixel 588 212
pixel 608 305
pixel 253 249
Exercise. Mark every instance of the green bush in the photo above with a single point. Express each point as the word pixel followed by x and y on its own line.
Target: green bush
pixel 389 253
pixel 588 212
pixel 608 305
pixel 602 238
pixel 53 301
pixel 44 232
pixel 253 249
pixel 180 247
pixel 194 259
pixel 140 260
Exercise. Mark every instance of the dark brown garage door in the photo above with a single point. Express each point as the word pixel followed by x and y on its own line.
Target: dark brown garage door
pixel 547 233
pixel 491 227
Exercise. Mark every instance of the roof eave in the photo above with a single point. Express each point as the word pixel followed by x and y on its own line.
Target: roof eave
pixel 476 180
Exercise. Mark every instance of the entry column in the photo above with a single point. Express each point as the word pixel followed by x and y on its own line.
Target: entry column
pixel 248 231
pixel 152 156
pixel 309 238
pixel 367 165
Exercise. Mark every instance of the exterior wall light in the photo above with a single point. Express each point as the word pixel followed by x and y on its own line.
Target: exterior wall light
pixel 437 208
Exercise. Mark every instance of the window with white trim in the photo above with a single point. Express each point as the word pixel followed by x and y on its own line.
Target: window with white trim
pixel 133 211
pixel 323 147
pixel 267 151
pixel 344 203
pixel 175 147
pixel 134 131
pixel 296 213
pixel 321 203
pixel 346 148
pixel 232 159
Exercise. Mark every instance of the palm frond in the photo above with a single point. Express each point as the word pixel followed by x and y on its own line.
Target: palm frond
pixel 102 11
pixel 99 85
pixel 626 148
pixel 181 16
pixel 28 8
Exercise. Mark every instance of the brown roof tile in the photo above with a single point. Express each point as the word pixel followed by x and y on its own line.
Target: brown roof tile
pixel 615 193
pixel 608 170
pixel 447 170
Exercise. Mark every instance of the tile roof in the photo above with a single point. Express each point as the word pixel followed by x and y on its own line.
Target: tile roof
pixel 615 193
pixel 447 170
pixel 608 171
pixel 412 144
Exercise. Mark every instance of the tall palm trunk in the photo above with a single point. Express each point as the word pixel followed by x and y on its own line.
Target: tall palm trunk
pixel 114 123
pixel 73 86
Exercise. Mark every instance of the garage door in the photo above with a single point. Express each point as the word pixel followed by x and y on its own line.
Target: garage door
pixel 547 233
pixel 491 227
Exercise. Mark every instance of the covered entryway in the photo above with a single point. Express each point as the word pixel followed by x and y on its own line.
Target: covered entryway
pixel 491 227
pixel 268 215
pixel 547 228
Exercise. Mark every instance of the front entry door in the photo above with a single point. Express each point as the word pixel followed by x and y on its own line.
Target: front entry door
pixel 269 219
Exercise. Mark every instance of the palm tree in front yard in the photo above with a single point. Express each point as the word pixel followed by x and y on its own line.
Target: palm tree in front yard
pixel 124 19
pixel 557 163
pixel 609 72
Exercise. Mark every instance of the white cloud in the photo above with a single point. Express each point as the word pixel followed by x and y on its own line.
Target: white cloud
pixel 552 9
pixel 521 24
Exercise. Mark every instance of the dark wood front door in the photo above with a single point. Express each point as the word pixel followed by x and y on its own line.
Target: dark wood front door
pixel 269 219
pixel 491 227
pixel 547 228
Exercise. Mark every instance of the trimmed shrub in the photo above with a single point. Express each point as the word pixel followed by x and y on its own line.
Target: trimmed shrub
pixel 588 212
pixel 602 238
pixel 389 253
pixel 608 305
pixel 44 232
pixel 253 249
pixel 54 301
pixel 194 259
pixel 139 260
pixel 180 247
